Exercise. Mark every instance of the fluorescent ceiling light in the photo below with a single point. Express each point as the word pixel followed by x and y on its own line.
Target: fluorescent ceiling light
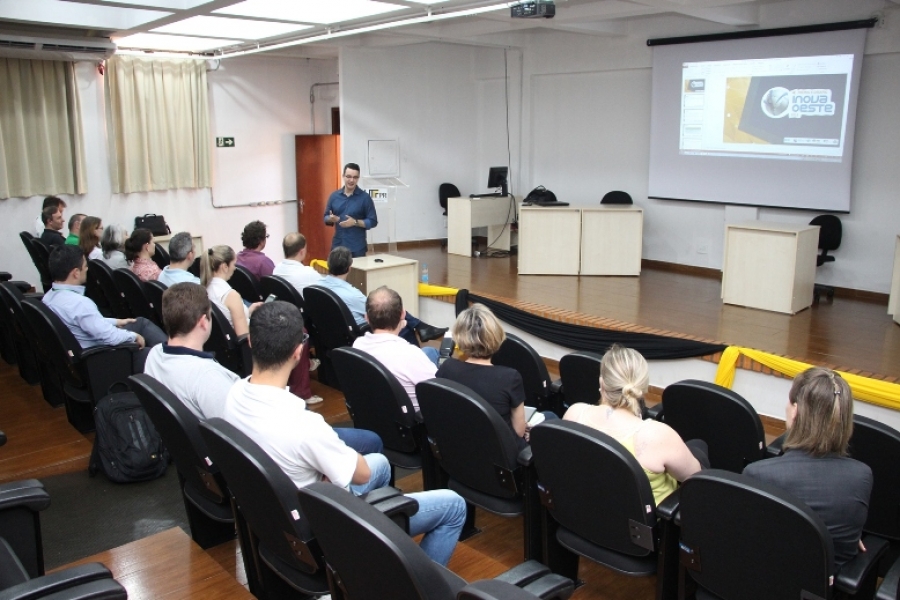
pixel 72 14
pixel 174 43
pixel 230 28
pixel 310 11
pixel 170 4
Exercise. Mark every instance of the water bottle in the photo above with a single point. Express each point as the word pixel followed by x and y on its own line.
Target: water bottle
pixel 425 273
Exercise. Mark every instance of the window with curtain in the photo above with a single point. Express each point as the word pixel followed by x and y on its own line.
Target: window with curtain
pixel 157 114
pixel 41 144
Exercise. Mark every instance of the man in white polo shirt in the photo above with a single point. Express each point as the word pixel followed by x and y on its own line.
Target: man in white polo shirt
pixel 292 268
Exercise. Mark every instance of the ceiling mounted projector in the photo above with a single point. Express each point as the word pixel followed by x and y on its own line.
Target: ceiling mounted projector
pixel 534 9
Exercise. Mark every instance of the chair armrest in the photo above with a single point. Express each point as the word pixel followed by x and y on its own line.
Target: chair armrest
pixel 552 586
pixel 853 574
pixel 556 386
pixel 654 412
pixel 95 350
pixel 775 448
pixel 102 589
pixel 56 582
pixel 243 346
pixel 888 590
pixel 523 574
pixel 668 508
pixel 492 589
pixel 28 494
pixel 381 494
pixel 398 509
pixel 525 457
pixel 4 276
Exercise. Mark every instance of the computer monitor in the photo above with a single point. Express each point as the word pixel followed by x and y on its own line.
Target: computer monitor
pixel 497 178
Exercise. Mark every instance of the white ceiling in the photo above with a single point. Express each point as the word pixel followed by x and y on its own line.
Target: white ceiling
pixel 226 27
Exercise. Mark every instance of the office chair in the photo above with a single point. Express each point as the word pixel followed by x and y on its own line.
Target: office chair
pixel 447 190
pixel 830 233
pixel 616 197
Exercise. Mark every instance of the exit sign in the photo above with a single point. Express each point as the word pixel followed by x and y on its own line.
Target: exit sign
pixel 224 142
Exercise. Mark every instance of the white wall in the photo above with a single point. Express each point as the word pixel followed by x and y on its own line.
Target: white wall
pixel 262 102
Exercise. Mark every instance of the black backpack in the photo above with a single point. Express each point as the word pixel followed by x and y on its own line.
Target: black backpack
pixel 126 447
pixel 539 195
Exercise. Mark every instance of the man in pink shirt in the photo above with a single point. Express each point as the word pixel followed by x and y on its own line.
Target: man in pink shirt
pixel 409 364
pixel 251 257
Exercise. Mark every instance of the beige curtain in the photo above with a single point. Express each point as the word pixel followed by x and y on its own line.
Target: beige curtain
pixel 41 144
pixel 157 114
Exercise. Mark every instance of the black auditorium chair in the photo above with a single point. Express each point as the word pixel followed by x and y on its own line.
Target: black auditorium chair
pixel 161 256
pixel 282 289
pixel 13 320
pixel 135 295
pixel 155 290
pixel 369 557
pixel 194 269
pixel 86 374
pixel 718 416
pixel 616 197
pixel 376 401
pixel 890 585
pixel 540 390
pixel 480 456
pixel 21 504
pixel 101 288
pixel 830 234
pixel 741 538
pixel 334 327
pixel 205 495
pixel 231 350
pixel 40 256
pixel 600 506
pixel 246 284
pixel 579 373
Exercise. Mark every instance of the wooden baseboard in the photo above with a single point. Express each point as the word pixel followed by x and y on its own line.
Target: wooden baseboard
pixel 660 265
pixel 410 245
pixel 861 295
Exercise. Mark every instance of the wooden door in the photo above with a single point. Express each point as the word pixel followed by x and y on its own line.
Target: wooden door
pixel 318 174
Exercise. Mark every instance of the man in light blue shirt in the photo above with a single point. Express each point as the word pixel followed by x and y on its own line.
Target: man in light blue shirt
pixel 181 257
pixel 68 268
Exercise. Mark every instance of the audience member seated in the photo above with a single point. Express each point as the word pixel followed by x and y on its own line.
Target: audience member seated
pixel 292 268
pixel 181 257
pixel 74 228
pixel 815 467
pixel 339 262
pixel 47 203
pixel 194 376
pixel 216 268
pixel 305 446
pixel 666 459
pixel 89 237
pixel 409 364
pixel 478 336
pixel 254 238
pixel 112 244
pixel 139 251
pixel 68 268
pixel 52 219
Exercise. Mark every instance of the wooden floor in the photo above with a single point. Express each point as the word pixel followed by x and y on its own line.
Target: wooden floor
pixel 850 333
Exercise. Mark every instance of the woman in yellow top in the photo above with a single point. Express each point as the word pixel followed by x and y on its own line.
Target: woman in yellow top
pixel 666 459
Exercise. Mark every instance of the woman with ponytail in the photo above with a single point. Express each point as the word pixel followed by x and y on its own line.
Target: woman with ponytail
pixel 815 467
pixel 666 459
pixel 217 265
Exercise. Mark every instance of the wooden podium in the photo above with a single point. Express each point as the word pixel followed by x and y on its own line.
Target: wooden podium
pixel 398 273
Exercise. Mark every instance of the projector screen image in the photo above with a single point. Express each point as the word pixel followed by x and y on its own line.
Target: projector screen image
pixel 765 121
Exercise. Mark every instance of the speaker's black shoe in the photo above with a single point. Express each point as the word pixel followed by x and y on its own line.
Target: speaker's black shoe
pixel 429 332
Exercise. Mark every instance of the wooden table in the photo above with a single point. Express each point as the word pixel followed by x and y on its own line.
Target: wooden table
pixel 464 214
pixel 398 273
pixel 549 240
pixel 611 240
pixel 894 302
pixel 771 266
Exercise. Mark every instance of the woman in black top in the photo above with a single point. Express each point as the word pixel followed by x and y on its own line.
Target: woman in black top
pixel 478 336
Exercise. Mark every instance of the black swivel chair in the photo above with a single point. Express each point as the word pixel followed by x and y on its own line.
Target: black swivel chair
pixel 540 390
pixel 331 326
pixel 720 417
pixel 368 557
pixel 580 376
pixel 135 295
pixel 102 289
pixel 480 456
pixel 231 350
pixel 376 401
pixel 86 374
pixel 246 284
pixel 447 190
pixel 741 538
pixel 600 506
pixel 616 197
pixel 830 233
pixel 206 499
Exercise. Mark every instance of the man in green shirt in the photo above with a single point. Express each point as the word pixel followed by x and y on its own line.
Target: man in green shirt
pixel 74 228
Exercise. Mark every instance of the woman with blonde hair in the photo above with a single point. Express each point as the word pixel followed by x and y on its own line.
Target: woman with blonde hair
pixel 89 237
pixel 815 467
pixel 217 265
pixel 139 250
pixel 112 244
pixel 665 458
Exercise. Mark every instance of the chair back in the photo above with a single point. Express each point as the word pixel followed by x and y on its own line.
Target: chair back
pixel 600 495
pixel 720 417
pixel 368 555
pixel 375 399
pixel 179 429
pixel 830 232
pixel 335 325
pixel 194 269
pixel 30 369
pixel 746 539
pixel 517 354
pixel 132 290
pixel 161 256
pixel 472 443
pixel 228 349
pixel 282 289
pixel 580 374
pixel 878 445
pixel 155 290
pixel 246 284
pixel 266 496
pixel 40 255
pixel 616 197
pixel 101 288
pixel 447 190
pixel 54 343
